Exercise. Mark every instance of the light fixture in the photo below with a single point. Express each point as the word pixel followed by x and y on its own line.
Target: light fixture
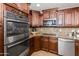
pixel 38 5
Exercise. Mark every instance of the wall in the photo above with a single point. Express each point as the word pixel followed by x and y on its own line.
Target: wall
pixel 60 32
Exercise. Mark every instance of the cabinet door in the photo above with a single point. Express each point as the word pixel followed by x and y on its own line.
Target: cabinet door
pixel 1 41
pixel 1 31
pixel 13 5
pixel 77 50
pixel 31 43
pixel 73 17
pixel 46 14
pixel 60 18
pixel 30 19
pixel 44 43
pixel 35 19
pixel 41 20
pixel 36 43
pixel 77 47
pixel 77 17
pixel 53 46
pixel 53 14
pixel 23 7
pixel 68 18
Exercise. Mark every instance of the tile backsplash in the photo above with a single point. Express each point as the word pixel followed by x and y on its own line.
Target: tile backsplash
pixel 61 32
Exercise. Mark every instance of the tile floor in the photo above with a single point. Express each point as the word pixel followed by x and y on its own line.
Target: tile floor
pixel 43 53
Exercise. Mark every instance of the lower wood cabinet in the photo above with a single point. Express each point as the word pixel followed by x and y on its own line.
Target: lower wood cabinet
pixel 31 44
pixel 1 42
pixel 53 45
pixel 37 44
pixel 77 47
pixel 44 43
pixel 49 44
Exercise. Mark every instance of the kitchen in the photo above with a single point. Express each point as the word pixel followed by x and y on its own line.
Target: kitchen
pixel 39 29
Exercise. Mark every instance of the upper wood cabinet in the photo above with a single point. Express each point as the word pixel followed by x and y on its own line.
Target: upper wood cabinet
pixel 65 18
pixel 1 14
pixel 60 17
pixel 46 14
pixel 73 17
pixel 35 19
pixel 23 7
pixel 53 13
pixel 41 20
pixel 13 5
pixel 30 19
pixel 68 17
pixel 50 13
pixel 76 17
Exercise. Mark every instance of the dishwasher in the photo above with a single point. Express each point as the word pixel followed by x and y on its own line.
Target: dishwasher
pixel 66 47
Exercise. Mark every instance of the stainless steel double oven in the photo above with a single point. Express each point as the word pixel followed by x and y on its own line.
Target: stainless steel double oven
pixel 16 34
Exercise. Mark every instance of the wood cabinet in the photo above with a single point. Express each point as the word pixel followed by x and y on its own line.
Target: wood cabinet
pixel 50 13
pixel 1 42
pixel 31 44
pixel 1 31
pixel 41 20
pixel 49 44
pixel 73 17
pixel 12 4
pixel 35 19
pixel 30 20
pixel 46 14
pixel 23 7
pixel 65 18
pixel 77 47
pixel 60 17
pixel 53 13
pixel 53 45
pixel 44 43
pixel 76 17
pixel 37 43
pixel 68 17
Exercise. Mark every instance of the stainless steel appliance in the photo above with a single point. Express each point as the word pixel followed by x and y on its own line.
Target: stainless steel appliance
pixel 50 22
pixel 16 33
pixel 66 47
pixel 18 48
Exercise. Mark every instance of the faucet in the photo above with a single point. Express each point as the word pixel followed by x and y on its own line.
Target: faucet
pixel 74 34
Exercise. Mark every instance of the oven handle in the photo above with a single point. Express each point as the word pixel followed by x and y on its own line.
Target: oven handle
pixel 16 43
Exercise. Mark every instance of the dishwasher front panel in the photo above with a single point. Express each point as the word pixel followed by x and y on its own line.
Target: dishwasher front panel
pixel 65 47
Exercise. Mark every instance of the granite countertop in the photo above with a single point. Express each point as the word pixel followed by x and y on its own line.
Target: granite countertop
pixel 51 36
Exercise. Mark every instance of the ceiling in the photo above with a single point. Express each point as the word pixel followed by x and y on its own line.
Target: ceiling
pixel 44 6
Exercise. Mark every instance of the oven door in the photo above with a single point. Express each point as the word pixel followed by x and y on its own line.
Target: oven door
pixel 19 49
pixel 10 28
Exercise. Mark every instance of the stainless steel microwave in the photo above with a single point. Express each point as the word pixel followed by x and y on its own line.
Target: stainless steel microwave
pixel 49 22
